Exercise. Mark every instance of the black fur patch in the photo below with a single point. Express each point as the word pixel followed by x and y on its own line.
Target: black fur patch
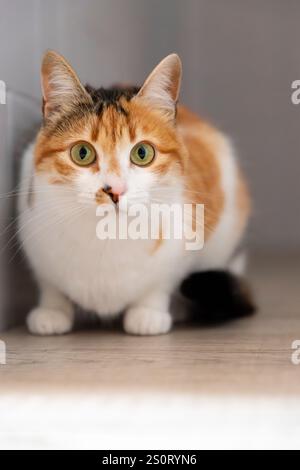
pixel 104 97
pixel 218 296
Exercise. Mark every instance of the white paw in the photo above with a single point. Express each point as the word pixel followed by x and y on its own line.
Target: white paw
pixel 44 321
pixel 146 321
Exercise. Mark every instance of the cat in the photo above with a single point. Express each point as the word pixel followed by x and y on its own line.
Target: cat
pixel 98 146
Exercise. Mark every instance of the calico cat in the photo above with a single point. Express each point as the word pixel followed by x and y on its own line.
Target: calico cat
pixel 97 147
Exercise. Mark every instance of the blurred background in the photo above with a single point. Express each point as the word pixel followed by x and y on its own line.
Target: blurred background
pixel 239 60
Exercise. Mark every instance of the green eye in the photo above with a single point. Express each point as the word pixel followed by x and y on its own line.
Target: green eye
pixel 142 154
pixel 83 154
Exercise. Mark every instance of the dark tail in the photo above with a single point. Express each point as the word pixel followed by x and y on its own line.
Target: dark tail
pixel 218 296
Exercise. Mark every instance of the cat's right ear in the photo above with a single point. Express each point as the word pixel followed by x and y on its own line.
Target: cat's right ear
pixel 161 89
pixel 61 87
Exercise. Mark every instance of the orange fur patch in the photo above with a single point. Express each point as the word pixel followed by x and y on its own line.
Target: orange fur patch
pixel 108 129
pixel 244 202
pixel 202 172
pixel 157 243
pixel 101 197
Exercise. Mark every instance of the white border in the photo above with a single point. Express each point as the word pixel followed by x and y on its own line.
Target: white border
pixel 110 421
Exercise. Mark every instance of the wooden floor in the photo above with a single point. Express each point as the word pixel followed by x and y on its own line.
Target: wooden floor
pixel 248 356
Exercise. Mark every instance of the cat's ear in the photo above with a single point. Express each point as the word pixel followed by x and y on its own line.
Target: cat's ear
pixel 161 88
pixel 60 85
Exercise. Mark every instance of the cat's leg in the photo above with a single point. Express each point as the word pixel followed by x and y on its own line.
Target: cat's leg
pixel 54 315
pixel 150 315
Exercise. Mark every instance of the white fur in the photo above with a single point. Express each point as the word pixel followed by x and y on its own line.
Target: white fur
pixel 112 276
pixel 46 321
pixel 238 264
pixel 143 320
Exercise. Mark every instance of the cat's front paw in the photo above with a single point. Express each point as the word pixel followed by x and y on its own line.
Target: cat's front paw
pixel 147 321
pixel 44 321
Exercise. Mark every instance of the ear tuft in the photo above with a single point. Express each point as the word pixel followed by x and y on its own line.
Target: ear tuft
pixel 161 89
pixel 60 85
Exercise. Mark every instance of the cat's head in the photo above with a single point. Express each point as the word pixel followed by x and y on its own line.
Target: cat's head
pixel 107 144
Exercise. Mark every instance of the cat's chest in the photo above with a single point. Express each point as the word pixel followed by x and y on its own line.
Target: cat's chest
pixel 101 275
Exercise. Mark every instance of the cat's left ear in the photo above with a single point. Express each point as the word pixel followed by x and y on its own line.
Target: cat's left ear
pixel 161 88
pixel 61 87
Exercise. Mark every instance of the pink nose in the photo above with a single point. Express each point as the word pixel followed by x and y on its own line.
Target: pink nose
pixel 114 192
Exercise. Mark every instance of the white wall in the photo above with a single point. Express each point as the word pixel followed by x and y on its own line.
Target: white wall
pixel 18 58
pixel 19 44
pixel 105 40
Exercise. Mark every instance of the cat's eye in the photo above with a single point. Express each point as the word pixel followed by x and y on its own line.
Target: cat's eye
pixel 142 154
pixel 83 154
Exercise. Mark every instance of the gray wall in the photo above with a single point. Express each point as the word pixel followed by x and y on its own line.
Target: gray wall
pixel 239 61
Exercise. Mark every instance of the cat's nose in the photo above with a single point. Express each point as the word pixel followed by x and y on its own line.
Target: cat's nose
pixel 113 193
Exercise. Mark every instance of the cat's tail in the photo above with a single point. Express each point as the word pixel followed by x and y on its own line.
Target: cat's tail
pixel 219 295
